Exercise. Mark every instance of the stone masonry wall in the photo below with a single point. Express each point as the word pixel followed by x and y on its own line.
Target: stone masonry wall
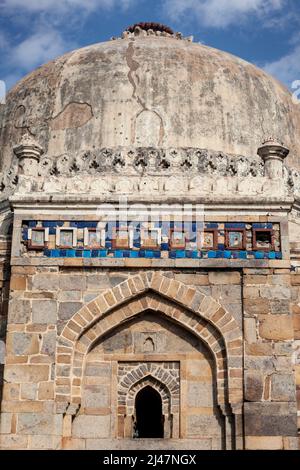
pixel 43 299
pixel 295 280
pixel 270 408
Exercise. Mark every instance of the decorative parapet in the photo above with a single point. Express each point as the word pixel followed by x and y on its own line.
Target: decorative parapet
pixel 145 170
pixel 151 161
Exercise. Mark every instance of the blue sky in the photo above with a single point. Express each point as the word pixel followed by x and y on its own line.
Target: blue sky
pixel 265 32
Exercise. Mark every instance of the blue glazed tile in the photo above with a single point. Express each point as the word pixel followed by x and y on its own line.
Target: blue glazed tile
pixel 221 246
pixel 227 254
pixel 194 227
pixel 156 254
pixel 142 254
pixel 171 224
pixel 55 253
pixel 62 253
pixel 212 254
pixel 52 231
pixel 259 254
pixel 191 254
pixel 25 234
pixel 70 253
pixel 148 253
pixel 87 254
pixel 102 253
pixel 108 245
pixel 180 253
pixel 272 255
pixel 126 254
pixel 52 223
pixel 79 253
pixel 262 225
pixel 235 254
pixel 137 244
pixel 235 225
pixel 278 255
pixel 32 223
pixel 47 253
pixel 243 254
pixel 172 254
pixel 164 246
pixel 118 253
pixel 134 254
pixel 220 254
pixel 211 225
pixel 94 253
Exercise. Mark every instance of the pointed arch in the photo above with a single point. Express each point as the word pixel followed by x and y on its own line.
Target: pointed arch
pixel 184 305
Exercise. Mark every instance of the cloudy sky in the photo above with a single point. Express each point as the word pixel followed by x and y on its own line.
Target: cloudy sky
pixel 265 32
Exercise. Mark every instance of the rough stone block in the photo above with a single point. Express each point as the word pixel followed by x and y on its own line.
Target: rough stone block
pixel 40 442
pixel 28 391
pixel 264 443
pixel 12 441
pixel 49 343
pixel 72 282
pixel 250 330
pixel 202 425
pixel 96 396
pixel 279 327
pixel 256 306
pixel 224 277
pixel 44 311
pixel 253 385
pixel 37 423
pixel 45 282
pixel 24 344
pixel 67 309
pixel 91 426
pixel 199 394
pixel 270 419
pixel 275 292
pixel 69 296
pixel 18 282
pixel 5 423
pixel 19 311
pixel 26 373
pixel 283 387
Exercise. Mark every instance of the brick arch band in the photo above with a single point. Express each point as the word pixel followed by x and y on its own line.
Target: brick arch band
pixel 198 313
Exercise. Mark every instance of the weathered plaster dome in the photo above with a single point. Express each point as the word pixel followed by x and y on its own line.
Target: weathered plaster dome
pixel 149 91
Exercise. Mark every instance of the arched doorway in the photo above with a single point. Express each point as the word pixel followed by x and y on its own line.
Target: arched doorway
pixel 149 416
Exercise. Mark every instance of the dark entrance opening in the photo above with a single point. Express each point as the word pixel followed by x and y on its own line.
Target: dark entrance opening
pixel 149 417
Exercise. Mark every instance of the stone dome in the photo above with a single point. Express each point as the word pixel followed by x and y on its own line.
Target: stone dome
pixel 149 91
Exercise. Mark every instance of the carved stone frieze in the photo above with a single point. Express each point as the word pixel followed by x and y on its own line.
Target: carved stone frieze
pixel 151 161
pixel 157 168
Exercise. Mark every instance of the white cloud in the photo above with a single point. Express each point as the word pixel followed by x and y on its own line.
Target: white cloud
pixel 3 41
pixel 38 49
pixel 56 6
pixel 221 13
pixel 287 68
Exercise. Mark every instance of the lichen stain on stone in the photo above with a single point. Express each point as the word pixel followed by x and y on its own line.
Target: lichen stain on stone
pixel 74 115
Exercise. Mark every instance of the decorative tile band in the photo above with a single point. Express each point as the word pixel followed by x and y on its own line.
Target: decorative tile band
pixel 90 239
